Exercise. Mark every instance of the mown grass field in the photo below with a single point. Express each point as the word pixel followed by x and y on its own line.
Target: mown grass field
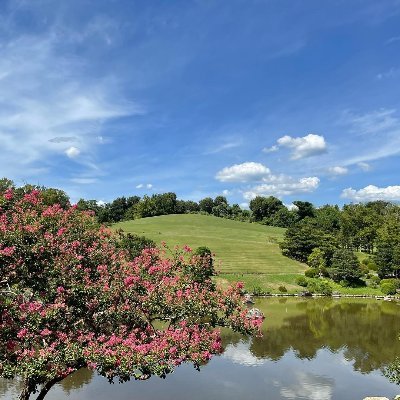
pixel 244 251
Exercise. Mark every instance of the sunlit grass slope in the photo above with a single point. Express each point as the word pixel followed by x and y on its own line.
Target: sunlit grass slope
pixel 242 248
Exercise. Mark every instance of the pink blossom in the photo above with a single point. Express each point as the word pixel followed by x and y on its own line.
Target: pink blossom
pixel 22 333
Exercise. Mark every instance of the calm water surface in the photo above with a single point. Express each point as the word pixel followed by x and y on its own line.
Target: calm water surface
pixel 318 349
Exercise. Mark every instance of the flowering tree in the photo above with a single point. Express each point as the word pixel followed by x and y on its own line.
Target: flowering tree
pixel 70 299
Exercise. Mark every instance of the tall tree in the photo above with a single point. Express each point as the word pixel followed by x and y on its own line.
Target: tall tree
pixel 70 299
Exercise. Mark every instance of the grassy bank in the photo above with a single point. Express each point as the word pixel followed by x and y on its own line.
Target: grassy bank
pixel 243 251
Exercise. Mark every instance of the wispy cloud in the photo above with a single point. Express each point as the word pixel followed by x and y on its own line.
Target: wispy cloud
pixel 338 170
pixel 47 102
pixel 391 73
pixel 364 166
pixel 381 136
pixel 393 39
pixel 227 145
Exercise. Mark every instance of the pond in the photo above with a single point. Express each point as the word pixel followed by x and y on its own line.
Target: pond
pixel 318 349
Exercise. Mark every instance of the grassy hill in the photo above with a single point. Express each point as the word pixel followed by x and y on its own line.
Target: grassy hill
pixel 247 252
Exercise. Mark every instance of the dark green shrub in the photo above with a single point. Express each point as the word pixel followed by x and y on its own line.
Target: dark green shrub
pixel 258 291
pixel 282 289
pixel 311 273
pixel 302 281
pixel 320 286
pixel 133 244
pixel 392 281
pixel 375 279
pixel 388 288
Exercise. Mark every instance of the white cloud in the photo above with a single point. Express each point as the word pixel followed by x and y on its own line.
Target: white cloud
pixel 270 184
pixel 371 192
pixel 364 166
pixel 306 385
pixel 241 354
pixel 84 181
pixel 226 192
pixel 246 172
pixel 271 149
pixel 375 122
pixel 47 101
pixel 338 170
pixel 72 152
pixel 142 186
pixel 381 136
pixel 283 186
pixel 224 146
pixel 306 146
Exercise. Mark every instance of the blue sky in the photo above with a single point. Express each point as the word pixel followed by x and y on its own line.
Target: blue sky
pixel 296 99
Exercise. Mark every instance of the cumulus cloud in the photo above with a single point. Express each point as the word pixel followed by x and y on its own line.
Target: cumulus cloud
pixel 246 172
pixel 269 183
pixel 241 354
pixel 338 170
pixel 72 152
pixel 149 186
pixel 306 146
pixel 371 192
pixel 283 186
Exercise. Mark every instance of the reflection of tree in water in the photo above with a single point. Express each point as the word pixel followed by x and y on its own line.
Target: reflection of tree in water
pixel 76 380
pixel 11 387
pixel 366 332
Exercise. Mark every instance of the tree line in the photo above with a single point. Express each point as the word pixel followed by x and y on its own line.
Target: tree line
pixel 328 238
pixel 316 232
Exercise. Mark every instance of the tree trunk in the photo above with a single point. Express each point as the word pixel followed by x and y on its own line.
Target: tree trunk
pixel 26 390
pixel 47 386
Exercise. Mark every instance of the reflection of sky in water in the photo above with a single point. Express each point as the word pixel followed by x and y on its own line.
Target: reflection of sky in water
pixel 238 375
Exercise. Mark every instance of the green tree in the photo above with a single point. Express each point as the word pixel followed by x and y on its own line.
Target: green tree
pixel 265 207
pixel 345 266
pixel 304 209
pixel 387 256
pixel 52 196
pixel 317 260
pixel 306 235
pixel 206 205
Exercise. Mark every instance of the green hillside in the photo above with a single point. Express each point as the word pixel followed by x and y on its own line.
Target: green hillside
pixel 247 252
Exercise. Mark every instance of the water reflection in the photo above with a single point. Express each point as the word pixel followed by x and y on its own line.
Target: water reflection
pixel 321 349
